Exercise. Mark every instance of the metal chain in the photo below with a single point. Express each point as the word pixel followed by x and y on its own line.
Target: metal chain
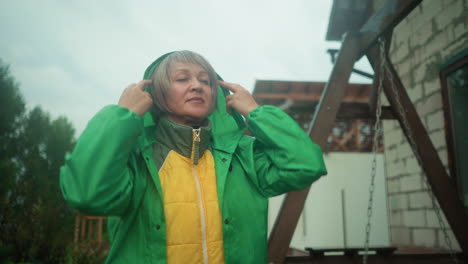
pixel 416 153
pixel 375 145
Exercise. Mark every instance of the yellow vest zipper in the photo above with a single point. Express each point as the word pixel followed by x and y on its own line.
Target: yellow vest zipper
pixel 195 156
pixel 196 145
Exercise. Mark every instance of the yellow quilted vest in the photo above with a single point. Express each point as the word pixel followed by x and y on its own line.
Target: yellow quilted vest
pixel 188 181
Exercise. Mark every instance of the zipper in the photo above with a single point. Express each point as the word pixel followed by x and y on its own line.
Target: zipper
pixel 196 145
pixel 195 156
pixel 202 215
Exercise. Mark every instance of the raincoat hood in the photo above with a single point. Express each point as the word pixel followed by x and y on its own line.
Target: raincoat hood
pixel 227 129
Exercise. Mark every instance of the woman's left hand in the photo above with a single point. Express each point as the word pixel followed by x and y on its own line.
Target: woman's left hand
pixel 240 99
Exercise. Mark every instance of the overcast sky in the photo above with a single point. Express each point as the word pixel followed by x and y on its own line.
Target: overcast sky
pixel 74 57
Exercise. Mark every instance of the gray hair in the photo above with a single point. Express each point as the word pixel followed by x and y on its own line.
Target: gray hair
pixel 162 80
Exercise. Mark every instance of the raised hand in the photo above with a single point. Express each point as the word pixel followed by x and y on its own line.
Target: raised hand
pixel 135 99
pixel 240 99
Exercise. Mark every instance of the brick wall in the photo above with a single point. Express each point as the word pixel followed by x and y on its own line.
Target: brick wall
pixel 434 32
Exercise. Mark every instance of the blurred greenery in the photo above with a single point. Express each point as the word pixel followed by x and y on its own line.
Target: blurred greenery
pixel 36 225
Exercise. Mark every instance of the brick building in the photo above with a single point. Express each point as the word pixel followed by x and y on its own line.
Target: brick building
pixel 430 44
pixel 433 35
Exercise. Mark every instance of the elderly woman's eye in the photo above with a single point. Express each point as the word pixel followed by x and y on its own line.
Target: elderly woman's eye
pixel 182 79
pixel 207 82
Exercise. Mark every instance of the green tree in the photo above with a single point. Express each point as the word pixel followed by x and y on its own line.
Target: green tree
pixel 35 223
pixel 12 111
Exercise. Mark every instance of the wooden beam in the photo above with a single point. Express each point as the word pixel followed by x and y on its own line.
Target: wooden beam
pixel 324 118
pixel 76 233
pixel 384 20
pixel 307 97
pixel 442 185
pixel 381 23
pixel 346 111
pixel 83 229
pixel 90 229
pixel 352 48
pixel 376 82
pixel 99 235
pixel 377 259
pixel 362 111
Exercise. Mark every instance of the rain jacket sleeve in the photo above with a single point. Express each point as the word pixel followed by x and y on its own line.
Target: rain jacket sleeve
pixel 96 178
pixel 285 158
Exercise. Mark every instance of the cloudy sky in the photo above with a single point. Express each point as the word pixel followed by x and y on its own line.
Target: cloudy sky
pixel 74 57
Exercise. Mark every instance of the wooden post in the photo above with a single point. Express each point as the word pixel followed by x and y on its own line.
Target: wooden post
pixel 83 227
pixel 90 228
pixel 77 232
pixel 323 120
pixel 100 230
pixel 384 20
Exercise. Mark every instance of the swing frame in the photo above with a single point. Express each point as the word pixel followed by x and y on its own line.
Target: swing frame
pixel 354 46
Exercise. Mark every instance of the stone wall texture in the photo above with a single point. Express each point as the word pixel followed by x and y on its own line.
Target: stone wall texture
pixel 425 40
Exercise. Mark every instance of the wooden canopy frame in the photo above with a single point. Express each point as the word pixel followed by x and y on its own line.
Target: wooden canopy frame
pixel 354 46
pixel 88 235
pixel 352 129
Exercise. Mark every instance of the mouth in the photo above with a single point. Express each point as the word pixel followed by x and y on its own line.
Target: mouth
pixel 198 100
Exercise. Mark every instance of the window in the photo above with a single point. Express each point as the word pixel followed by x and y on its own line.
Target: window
pixel 454 79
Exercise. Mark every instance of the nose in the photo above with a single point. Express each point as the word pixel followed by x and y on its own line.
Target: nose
pixel 196 86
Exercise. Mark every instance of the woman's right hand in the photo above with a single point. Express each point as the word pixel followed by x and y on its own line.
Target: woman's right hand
pixel 135 99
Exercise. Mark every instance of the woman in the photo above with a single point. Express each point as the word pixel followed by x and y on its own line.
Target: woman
pixel 171 167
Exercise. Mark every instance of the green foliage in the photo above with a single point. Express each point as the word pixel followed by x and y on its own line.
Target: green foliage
pixel 36 225
pixel 13 108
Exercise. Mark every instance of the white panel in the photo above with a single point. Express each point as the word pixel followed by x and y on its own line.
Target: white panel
pixel 323 222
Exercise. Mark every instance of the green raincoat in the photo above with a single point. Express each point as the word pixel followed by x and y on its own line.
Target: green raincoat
pixel 112 172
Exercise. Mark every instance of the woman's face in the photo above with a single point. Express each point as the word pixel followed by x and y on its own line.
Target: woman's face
pixel 190 98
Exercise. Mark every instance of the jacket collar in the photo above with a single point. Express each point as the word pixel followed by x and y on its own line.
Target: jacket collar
pixel 182 139
pixel 226 129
